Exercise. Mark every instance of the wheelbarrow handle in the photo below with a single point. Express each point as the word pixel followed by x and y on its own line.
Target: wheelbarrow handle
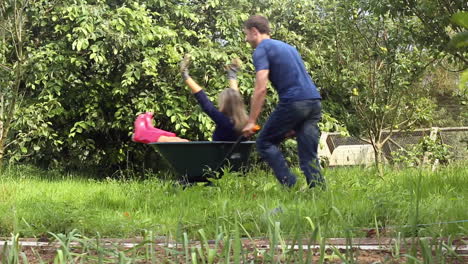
pixel 255 129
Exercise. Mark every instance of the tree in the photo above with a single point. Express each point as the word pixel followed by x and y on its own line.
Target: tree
pixel 383 66
pixel 94 66
pixel 13 61
pixel 460 42
pixel 434 26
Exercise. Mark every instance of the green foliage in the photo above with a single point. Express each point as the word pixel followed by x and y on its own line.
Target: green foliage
pixel 463 85
pixel 434 26
pixel 95 65
pixel 13 62
pixel 460 42
pixel 380 66
pixel 385 72
pixel 432 150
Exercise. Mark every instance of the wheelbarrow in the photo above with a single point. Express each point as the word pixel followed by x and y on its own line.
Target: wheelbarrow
pixel 199 160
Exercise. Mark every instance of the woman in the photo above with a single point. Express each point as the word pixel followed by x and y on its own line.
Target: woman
pixel 231 116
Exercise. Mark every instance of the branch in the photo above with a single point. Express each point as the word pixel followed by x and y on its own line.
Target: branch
pixel 2 107
pixel 364 36
pixel 394 142
pixel 462 58
pixel 407 123
pixel 396 115
pixel 5 67
pixel 399 125
pixel 446 7
pixel 386 98
pixel 16 140
pixel 364 140
pixel 6 29
pixel 13 100
pixel 371 137
pixel 390 134
pixel 360 110
pixel 9 143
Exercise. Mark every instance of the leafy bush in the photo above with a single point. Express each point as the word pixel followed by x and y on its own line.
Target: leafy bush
pixel 427 149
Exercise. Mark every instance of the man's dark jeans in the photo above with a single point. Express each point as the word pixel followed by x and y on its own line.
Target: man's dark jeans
pixel 302 117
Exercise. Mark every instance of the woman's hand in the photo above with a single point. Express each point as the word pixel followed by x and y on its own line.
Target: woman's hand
pixel 233 68
pixel 184 66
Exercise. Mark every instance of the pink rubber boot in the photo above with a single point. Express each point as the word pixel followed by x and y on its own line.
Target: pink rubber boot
pixel 145 132
pixel 149 125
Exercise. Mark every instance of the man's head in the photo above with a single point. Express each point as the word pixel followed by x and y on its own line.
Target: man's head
pixel 256 28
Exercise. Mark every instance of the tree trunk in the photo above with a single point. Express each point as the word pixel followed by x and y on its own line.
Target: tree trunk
pixel 1 154
pixel 1 145
pixel 379 158
pixel 1 157
pixel 16 26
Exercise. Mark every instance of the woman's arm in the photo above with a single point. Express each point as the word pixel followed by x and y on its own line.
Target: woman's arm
pixel 207 106
pixel 184 65
pixel 193 85
pixel 232 70
pixel 234 84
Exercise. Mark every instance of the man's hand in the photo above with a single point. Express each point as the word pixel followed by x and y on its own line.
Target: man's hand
pixel 184 65
pixel 250 129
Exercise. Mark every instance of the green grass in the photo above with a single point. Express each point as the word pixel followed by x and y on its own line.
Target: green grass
pixel 34 202
pixel 227 247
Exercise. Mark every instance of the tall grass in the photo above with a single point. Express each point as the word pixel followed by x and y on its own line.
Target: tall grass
pixel 34 203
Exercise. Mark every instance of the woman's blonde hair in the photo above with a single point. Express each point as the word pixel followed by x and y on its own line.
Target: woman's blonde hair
pixel 231 104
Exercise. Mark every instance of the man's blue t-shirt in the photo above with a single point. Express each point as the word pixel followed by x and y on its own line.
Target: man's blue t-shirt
pixel 288 74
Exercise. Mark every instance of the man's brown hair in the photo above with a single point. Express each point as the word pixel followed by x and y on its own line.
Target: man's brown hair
pixel 259 22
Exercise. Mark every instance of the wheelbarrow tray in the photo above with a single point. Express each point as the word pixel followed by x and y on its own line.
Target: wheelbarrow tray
pixel 197 160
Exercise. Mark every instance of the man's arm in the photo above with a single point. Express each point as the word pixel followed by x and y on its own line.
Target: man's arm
pixel 258 97
pixel 257 100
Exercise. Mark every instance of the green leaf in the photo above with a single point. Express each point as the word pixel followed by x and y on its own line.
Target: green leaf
pixel 463 85
pixel 23 149
pixel 79 43
pixel 460 40
pixel 461 19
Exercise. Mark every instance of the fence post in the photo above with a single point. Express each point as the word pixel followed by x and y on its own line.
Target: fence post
pixel 432 137
pixel 324 151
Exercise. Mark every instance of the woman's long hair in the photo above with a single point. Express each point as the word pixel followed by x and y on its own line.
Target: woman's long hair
pixel 231 104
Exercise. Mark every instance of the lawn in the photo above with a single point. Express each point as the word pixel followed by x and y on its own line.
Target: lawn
pixel 34 202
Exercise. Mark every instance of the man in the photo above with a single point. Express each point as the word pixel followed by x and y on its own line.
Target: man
pixel 298 110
